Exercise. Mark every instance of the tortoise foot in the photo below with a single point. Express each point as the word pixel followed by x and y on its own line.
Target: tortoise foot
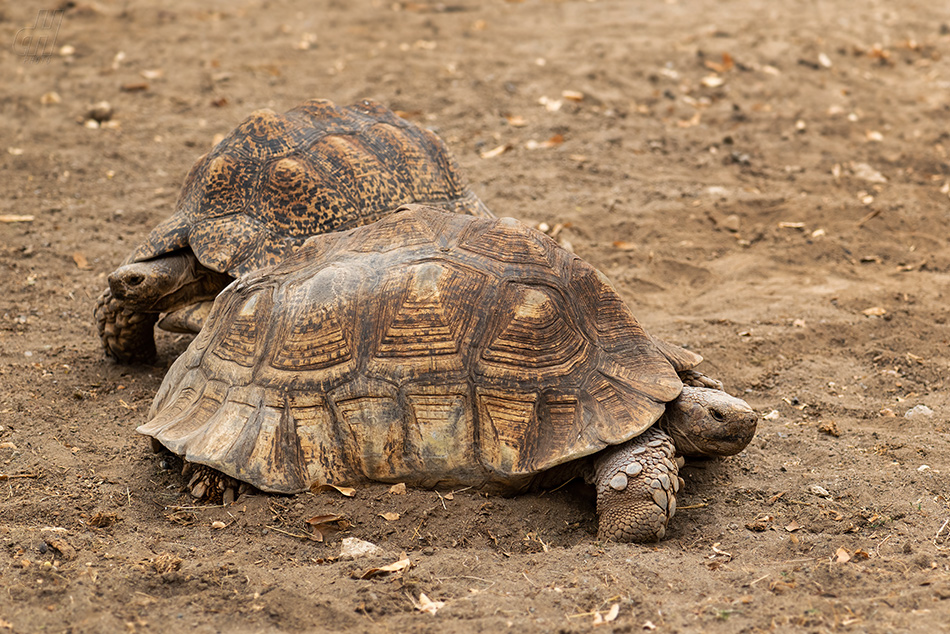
pixel 126 336
pixel 210 485
pixel 636 486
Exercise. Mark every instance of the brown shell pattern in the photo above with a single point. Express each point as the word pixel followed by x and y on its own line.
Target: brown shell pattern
pixel 277 179
pixel 427 348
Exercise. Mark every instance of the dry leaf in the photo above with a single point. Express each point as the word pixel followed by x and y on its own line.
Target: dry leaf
pixel 81 261
pixel 7 445
pixel 16 218
pixel 726 65
pixel 319 488
pixel 612 613
pixel 712 81
pixel 398 489
pixel 862 554
pixel 793 526
pixel 218 524
pixel 425 604
pixel 324 519
pixel 573 95
pixel 842 556
pixel 389 516
pixel 760 523
pixel 874 311
pixel 102 520
pixel 397 566
pixel 498 151
pixel 324 525
pixel 624 246
pixel 516 121
pixel 791 225
pixel 449 496
pixel 692 121
pixel 554 141
pixel 60 544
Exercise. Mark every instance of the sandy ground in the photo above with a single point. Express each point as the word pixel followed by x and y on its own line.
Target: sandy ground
pixel 764 182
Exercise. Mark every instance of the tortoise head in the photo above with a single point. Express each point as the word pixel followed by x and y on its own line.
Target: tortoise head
pixel 706 422
pixel 165 283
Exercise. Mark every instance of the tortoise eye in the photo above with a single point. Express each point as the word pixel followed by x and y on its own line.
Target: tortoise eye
pixel 716 415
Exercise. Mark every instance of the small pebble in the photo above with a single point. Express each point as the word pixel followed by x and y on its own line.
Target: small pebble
pixel 919 410
pixel 100 112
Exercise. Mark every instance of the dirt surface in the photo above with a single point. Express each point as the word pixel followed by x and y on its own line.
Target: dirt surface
pixel 764 182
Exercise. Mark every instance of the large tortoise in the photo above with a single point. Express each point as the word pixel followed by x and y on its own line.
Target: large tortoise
pixel 441 350
pixel 271 183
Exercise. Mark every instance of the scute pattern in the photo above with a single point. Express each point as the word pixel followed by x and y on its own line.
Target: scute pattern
pixel 440 364
pixel 314 169
pixel 537 341
pixel 263 190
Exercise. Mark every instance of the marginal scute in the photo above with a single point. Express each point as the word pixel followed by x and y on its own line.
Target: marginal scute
pixel 441 438
pixel 205 235
pixel 504 419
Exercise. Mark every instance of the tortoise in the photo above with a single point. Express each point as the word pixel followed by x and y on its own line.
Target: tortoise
pixel 271 183
pixel 437 349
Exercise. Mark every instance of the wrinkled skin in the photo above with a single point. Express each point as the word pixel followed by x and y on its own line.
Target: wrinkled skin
pixel 167 283
pixel 705 423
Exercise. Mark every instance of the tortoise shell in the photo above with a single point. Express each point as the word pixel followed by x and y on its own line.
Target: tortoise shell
pixel 427 348
pixel 277 179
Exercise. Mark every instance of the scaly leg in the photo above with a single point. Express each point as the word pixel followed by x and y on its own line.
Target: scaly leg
pixel 636 486
pixel 127 336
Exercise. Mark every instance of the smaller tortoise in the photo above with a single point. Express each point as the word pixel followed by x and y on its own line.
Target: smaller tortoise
pixel 271 183
pixel 441 350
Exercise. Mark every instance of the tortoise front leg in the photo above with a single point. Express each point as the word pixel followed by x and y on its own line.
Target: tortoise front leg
pixel 694 378
pixel 127 336
pixel 636 486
